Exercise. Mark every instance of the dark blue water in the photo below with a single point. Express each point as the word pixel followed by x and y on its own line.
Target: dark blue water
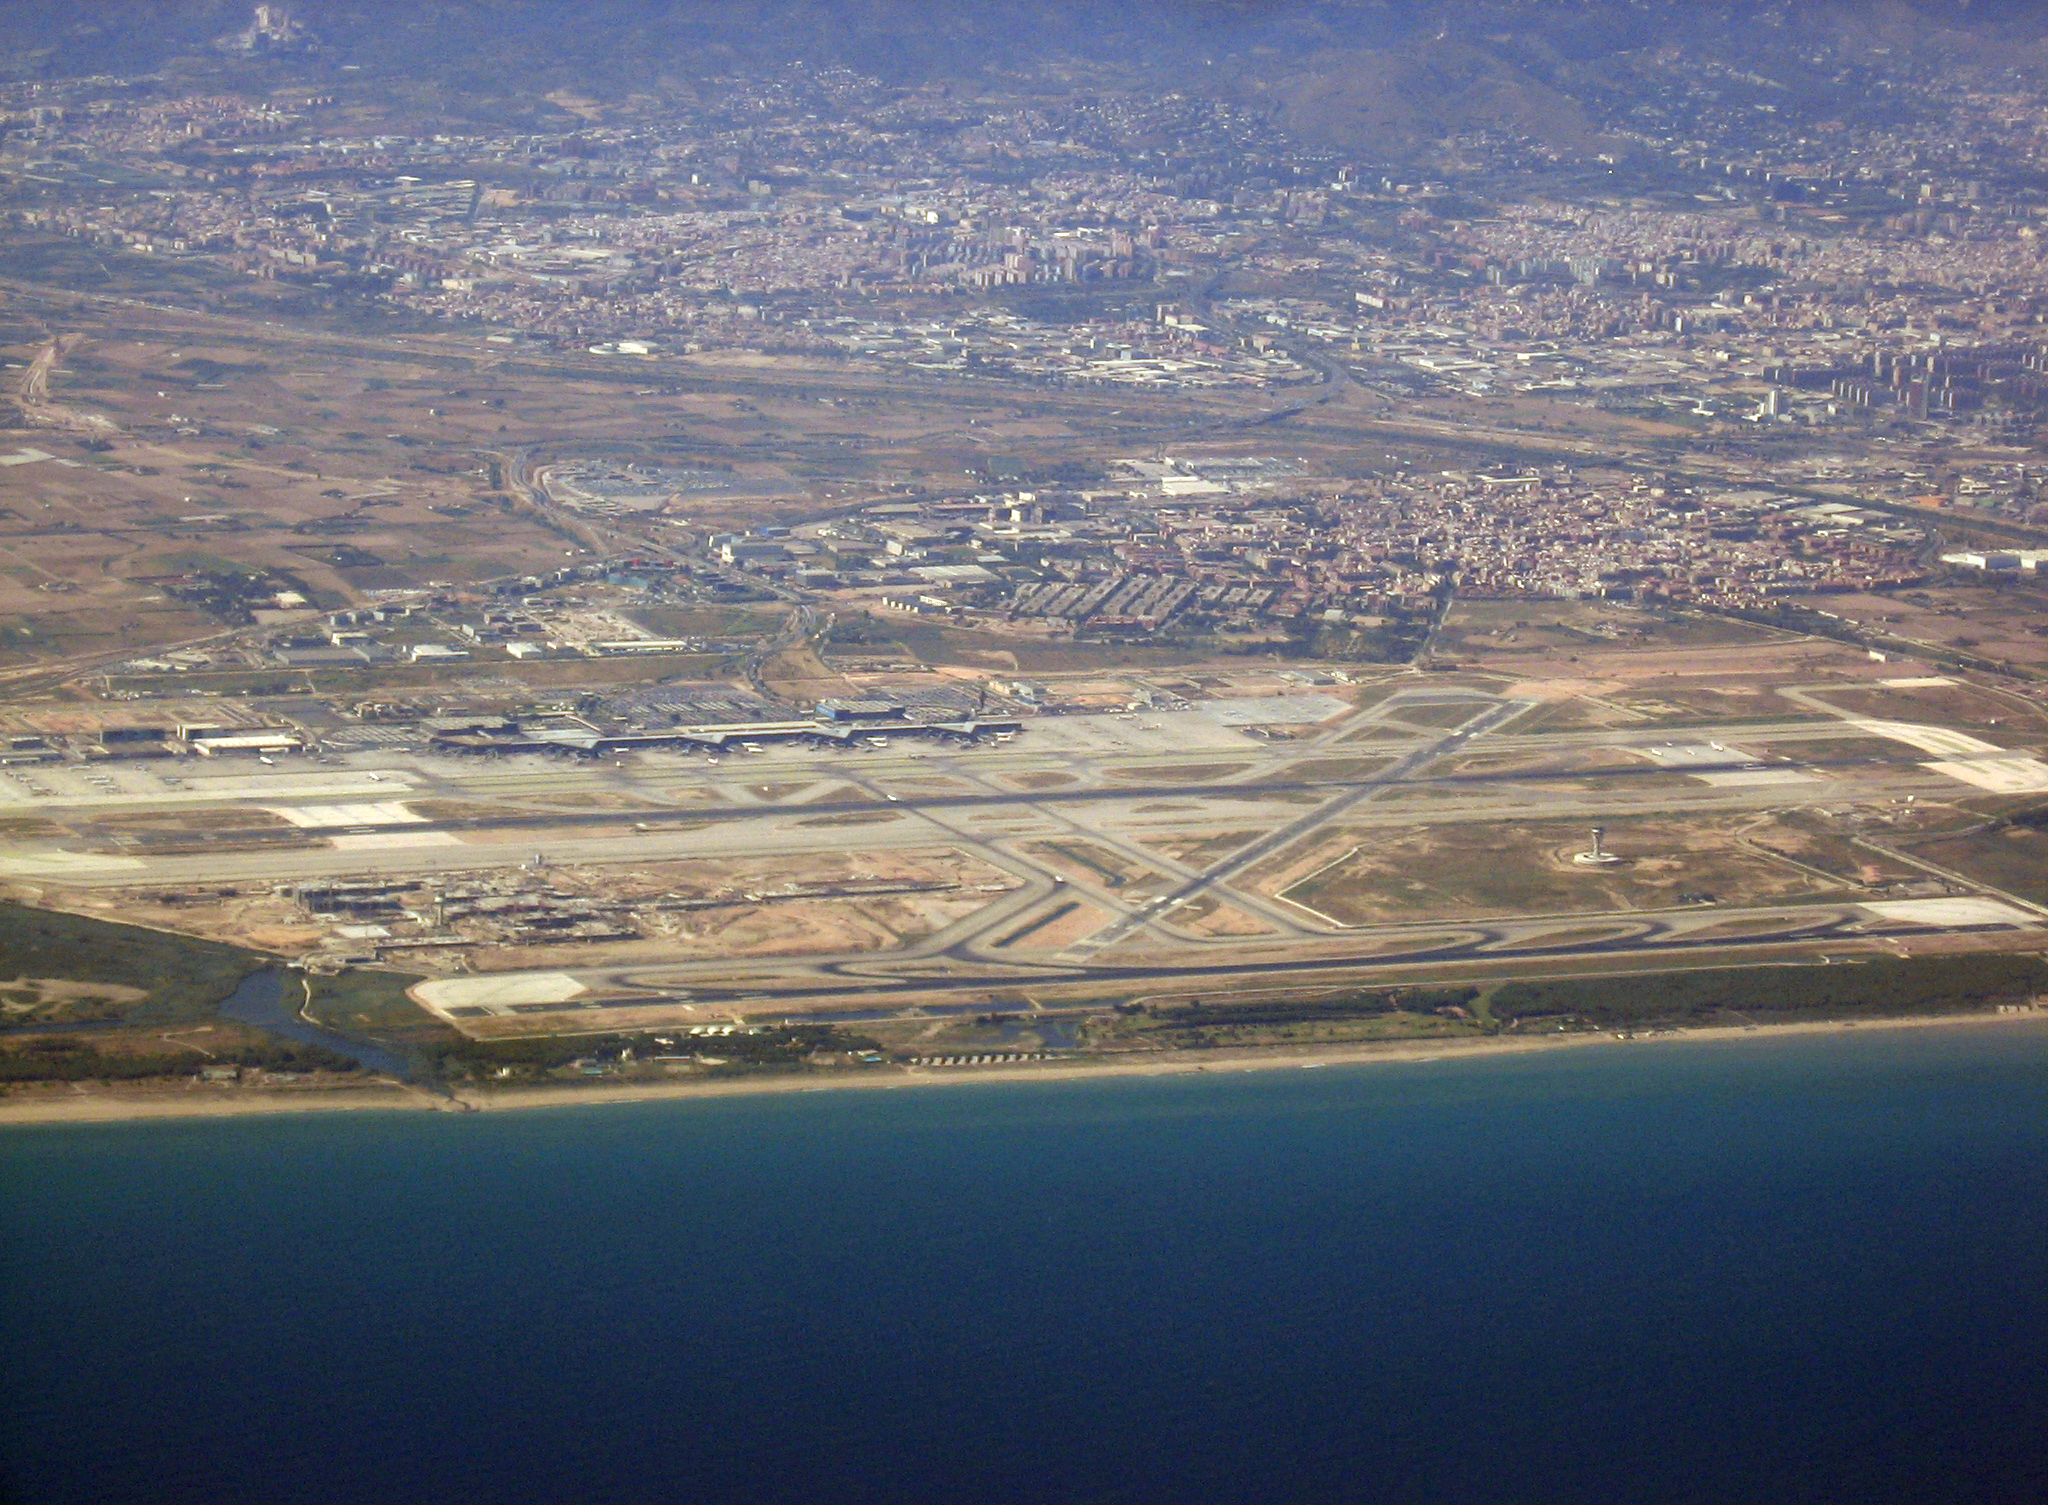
pixel 1769 1271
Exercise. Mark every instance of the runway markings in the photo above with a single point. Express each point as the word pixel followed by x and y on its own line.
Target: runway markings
pixel 1999 775
pixel 359 840
pixel 381 813
pixel 66 864
pixel 1966 759
pixel 1942 741
pixel 1733 778
pixel 1963 911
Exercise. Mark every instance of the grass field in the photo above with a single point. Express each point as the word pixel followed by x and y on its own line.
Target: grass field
pixel 150 978
pixel 1878 987
pixel 1442 716
pixel 1724 704
pixel 373 1004
pixel 1040 780
pixel 1336 768
pixel 2014 858
pixel 1960 706
pixel 1488 627
pixel 1830 749
pixel 1575 714
pixel 1525 867
pixel 1816 841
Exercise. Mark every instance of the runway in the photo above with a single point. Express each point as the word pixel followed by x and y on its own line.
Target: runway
pixel 834 986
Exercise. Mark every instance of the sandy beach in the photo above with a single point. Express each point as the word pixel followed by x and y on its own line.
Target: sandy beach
pixel 114 1106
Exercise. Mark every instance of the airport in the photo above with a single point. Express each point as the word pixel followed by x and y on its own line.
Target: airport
pixel 899 874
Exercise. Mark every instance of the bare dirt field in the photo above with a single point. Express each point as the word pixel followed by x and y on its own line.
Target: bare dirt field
pixel 1209 917
pixel 1054 929
pixel 1996 620
pixel 354 462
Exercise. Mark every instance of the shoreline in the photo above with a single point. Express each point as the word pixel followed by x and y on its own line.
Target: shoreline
pixel 114 1107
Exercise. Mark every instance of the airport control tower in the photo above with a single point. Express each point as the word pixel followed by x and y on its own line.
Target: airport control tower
pixel 1598 855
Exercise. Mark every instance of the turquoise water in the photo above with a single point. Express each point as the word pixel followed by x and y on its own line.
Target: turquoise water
pixel 1759 1270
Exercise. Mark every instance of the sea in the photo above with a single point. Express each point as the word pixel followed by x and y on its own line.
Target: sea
pixel 1770 1270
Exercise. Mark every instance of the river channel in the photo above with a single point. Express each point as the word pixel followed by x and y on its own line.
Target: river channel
pixel 269 1000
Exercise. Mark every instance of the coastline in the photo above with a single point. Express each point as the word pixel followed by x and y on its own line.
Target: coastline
pixel 114 1106
pixel 117 1107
